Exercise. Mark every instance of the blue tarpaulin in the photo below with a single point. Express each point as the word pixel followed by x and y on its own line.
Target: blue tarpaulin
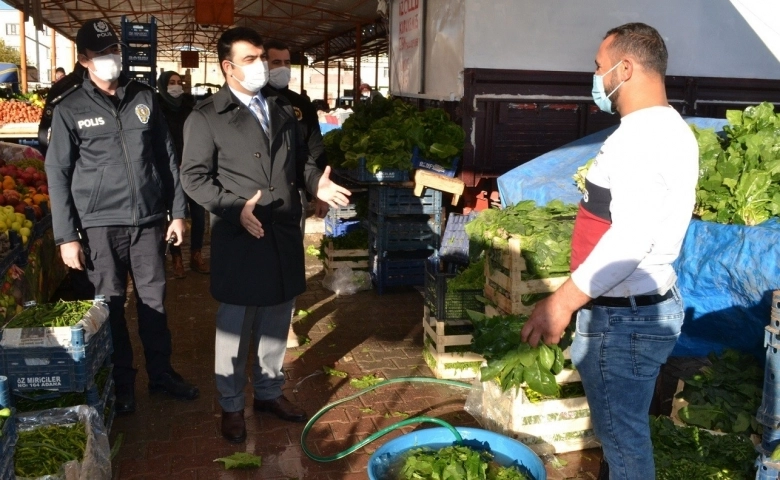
pixel 726 272
pixel 549 176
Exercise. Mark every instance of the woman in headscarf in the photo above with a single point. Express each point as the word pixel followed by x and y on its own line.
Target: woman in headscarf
pixel 176 106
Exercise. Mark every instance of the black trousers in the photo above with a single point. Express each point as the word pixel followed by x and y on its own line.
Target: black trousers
pixel 113 253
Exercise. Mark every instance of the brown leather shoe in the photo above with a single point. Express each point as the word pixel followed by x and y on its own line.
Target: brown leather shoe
pixel 178 266
pixel 233 426
pixel 197 263
pixel 282 408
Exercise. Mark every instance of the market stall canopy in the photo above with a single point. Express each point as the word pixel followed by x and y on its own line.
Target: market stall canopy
pixel 305 25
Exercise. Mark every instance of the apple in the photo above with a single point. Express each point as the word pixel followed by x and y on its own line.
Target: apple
pixel 43 189
pixel 31 170
pixel 20 207
pixel 21 181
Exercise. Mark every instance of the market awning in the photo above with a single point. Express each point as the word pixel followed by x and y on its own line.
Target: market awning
pixel 305 25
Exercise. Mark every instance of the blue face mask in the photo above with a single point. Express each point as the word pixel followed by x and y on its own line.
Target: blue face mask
pixel 599 95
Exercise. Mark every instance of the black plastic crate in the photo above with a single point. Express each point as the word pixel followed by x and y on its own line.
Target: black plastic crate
pixel 409 232
pixel 443 304
pixel 386 200
pixel 139 56
pixel 419 162
pixel 69 368
pixel 398 269
pixel 389 175
pixel 137 32
pixel 455 241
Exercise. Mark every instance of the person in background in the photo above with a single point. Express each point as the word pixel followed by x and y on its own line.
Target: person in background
pixel 305 95
pixel 232 167
pixel 59 73
pixel 278 55
pixel 368 93
pixel 176 107
pixel 629 229
pixel 113 183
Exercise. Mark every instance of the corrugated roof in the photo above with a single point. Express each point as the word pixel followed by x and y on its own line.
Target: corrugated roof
pixel 302 24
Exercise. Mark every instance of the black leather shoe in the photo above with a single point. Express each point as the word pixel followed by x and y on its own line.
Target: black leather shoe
pixel 172 384
pixel 282 408
pixel 233 426
pixel 125 401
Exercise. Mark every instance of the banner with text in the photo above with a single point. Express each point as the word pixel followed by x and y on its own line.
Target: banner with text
pixel 406 46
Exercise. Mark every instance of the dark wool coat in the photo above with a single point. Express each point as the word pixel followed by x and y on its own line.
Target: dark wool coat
pixel 227 159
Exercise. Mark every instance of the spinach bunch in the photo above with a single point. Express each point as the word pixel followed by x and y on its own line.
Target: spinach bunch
pixel 470 278
pixel 384 131
pixel 739 174
pixel 545 234
pixel 725 395
pixel 685 453
pixel 355 240
pixel 512 362
pixel 456 463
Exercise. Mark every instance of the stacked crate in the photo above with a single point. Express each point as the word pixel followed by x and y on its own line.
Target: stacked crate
pixel 403 230
pixel 339 222
pixel 44 364
pixel 504 285
pixel 769 412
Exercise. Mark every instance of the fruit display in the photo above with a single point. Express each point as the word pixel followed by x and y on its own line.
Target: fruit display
pixel 18 111
pixel 14 291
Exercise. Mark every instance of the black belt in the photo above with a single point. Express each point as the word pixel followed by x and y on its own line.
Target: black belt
pixel 639 300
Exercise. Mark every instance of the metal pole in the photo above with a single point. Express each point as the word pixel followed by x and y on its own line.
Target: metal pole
pixel 356 71
pixel 338 85
pixel 22 54
pixel 73 53
pixel 302 72
pixel 376 70
pixel 327 54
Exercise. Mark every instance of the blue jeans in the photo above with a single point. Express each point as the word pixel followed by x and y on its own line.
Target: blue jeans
pixel 618 352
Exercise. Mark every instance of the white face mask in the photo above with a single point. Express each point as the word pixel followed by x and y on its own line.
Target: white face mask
pixel 255 76
pixel 280 77
pixel 175 90
pixel 108 67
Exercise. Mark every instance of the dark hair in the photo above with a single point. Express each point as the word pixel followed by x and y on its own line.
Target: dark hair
pixel 233 35
pixel 644 43
pixel 275 44
pixel 59 70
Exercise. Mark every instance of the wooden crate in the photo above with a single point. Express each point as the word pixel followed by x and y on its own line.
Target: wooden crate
pixel 437 349
pixel 345 258
pixel 547 427
pixel 503 279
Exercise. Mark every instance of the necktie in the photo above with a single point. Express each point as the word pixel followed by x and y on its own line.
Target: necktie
pixel 257 106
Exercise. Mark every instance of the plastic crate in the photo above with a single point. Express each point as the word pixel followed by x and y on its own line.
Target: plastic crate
pixel 341 213
pixel 390 175
pixel 93 396
pixel 8 434
pixel 140 56
pixel 68 367
pixel 400 269
pixel 386 200
pixel 338 228
pixel 419 162
pixel 443 304
pixel 403 233
pixel 137 32
pixel 455 241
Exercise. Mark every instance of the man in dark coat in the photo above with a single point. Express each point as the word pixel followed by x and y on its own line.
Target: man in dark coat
pixel 241 148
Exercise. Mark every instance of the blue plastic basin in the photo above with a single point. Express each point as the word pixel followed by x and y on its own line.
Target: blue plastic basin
pixel 507 450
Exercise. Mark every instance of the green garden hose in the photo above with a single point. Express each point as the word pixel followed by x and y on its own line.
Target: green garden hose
pixel 386 430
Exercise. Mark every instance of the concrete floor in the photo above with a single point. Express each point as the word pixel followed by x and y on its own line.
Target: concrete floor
pixel 360 334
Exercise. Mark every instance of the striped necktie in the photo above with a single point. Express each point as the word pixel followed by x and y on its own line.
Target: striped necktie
pixel 257 106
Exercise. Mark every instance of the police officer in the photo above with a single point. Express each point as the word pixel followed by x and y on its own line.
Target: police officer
pixel 113 181
pixel 278 56
pixel 58 91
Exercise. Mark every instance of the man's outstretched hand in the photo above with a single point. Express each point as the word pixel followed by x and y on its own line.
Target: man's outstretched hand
pixel 331 193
